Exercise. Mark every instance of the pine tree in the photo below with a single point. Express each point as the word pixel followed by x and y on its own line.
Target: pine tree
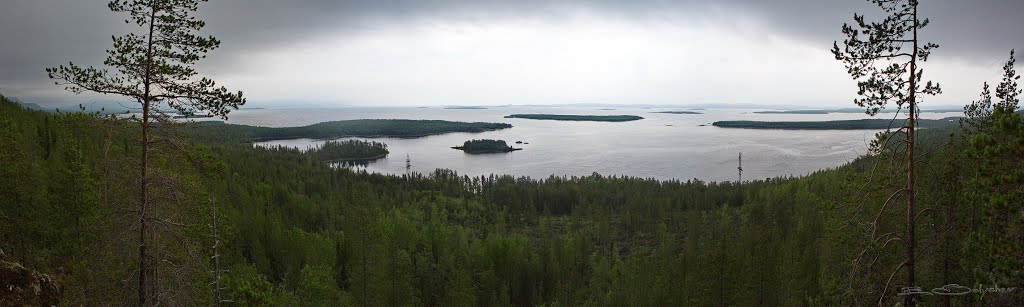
pixel 154 69
pixel 885 64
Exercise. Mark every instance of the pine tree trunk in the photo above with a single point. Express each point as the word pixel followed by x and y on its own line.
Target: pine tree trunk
pixel 216 259
pixel 146 99
pixel 909 301
pixel 142 205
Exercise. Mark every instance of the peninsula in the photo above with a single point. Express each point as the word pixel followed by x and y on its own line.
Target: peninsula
pixel 400 128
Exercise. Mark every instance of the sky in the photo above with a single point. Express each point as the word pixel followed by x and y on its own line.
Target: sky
pixel 490 52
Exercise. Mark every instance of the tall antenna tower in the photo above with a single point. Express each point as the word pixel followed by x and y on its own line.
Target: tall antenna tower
pixel 739 184
pixel 740 168
pixel 408 171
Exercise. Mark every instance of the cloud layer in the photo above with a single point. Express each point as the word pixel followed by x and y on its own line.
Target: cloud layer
pixel 414 52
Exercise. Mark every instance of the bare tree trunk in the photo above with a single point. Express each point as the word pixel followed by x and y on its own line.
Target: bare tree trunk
pixel 145 162
pixel 909 301
pixel 216 259
pixel 142 206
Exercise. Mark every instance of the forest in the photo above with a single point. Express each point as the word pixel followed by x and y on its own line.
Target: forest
pixel 297 231
pixel 348 150
pixel 485 146
pixel 145 210
pixel 216 131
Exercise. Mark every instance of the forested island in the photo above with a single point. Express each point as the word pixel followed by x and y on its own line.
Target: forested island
pixel 485 146
pixel 404 128
pixel 105 210
pixel 678 112
pixel 855 124
pixel 795 112
pixel 349 150
pixel 193 116
pixel 595 118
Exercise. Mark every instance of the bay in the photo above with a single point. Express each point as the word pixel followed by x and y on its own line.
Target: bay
pixel 660 146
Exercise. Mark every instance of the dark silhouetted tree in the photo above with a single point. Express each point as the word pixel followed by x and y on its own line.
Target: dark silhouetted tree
pixel 884 58
pixel 154 68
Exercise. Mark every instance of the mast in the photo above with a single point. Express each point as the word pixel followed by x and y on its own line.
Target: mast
pixel 739 184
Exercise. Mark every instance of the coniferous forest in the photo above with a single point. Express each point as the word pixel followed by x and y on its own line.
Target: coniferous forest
pixel 291 230
pixel 228 223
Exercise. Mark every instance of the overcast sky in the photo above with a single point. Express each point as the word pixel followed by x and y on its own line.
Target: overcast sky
pixel 490 52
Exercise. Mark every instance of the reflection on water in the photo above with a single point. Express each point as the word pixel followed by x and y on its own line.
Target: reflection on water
pixel 353 163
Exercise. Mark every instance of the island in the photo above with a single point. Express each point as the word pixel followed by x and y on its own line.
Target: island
pixel 855 124
pixel 219 132
pixel 192 116
pixel 593 118
pixel 465 108
pixel 349 150
pixel 678 112
pixel 485 146
pixel 794 112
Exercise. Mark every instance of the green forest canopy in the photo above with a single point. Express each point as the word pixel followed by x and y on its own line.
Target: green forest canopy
pixel 485 146
pixel 213 131
pixel 300 231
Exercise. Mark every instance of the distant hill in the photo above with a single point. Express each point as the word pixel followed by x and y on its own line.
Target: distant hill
pixel 678 112
pixel 108 107
pixel 594 118
pixel 943 109
pixel 873 124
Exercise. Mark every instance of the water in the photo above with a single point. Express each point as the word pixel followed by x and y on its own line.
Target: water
pixel 661 146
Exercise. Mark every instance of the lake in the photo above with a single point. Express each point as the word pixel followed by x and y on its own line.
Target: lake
pixel 660 146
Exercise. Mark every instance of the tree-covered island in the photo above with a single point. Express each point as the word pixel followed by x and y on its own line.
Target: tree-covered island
pixel 592 118
pixel 349 150
pixel 678 112
pixel 485 146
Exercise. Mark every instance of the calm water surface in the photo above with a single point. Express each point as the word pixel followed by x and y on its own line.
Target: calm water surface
pixel 661 146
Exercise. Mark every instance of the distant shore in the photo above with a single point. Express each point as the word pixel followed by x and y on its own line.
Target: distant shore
pixel 678 112
pixel 367 128
pixel 855 124
pixel 563 117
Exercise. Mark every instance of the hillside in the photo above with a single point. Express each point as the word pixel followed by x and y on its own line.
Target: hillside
pixel 295 230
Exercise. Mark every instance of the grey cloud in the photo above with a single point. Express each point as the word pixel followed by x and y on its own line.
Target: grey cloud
pixel 965 28
pixel 42 33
